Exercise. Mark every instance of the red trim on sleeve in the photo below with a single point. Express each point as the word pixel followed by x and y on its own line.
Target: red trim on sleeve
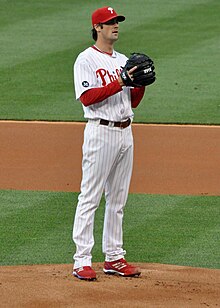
pixel 136 96
pixel 97 95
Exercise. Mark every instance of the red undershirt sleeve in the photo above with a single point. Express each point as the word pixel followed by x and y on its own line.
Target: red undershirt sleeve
pixel 96 95
pixel 136 96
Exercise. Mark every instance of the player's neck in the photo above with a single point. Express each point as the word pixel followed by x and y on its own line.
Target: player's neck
pixel 106 48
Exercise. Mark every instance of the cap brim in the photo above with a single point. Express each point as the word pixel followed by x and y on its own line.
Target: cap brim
pixel 121 18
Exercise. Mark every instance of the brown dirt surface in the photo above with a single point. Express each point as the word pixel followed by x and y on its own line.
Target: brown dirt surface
pixel 168 159
pixel 158 286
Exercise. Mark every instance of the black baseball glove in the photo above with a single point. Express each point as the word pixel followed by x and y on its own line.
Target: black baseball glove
pixel 144 75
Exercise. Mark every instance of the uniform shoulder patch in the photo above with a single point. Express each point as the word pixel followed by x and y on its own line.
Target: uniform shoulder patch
pixel 85 84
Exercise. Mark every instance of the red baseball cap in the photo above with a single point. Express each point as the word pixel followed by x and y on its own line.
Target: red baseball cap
pixel 104 14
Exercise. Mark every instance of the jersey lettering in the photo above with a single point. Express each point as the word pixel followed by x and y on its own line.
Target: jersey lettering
pixel 106 76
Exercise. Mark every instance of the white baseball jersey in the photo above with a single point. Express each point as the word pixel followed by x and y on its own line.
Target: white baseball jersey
pixel 94 69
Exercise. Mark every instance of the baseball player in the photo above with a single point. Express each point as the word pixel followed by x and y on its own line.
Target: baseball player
pixel 107 148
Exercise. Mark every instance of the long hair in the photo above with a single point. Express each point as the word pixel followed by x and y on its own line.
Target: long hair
pixel 95 34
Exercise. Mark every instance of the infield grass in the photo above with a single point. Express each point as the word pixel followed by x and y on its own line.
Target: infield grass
pixel 41 39
pixel 36 228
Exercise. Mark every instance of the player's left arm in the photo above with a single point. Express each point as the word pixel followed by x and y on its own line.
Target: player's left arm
pixel 96 95
pixel 136 96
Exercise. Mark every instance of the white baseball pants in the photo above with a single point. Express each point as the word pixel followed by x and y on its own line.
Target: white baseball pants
pixel 106 166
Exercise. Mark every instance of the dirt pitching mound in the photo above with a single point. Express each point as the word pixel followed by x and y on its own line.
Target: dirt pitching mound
pixel 158 286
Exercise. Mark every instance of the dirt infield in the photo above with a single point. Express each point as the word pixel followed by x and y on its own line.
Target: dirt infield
pixel 158 286
pixel 169 159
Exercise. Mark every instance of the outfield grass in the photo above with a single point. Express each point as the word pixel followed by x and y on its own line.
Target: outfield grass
pixel 36 228
pixel 40 40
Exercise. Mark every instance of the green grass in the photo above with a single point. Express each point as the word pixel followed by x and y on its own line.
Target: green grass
pixel 36 228
pixel 40 41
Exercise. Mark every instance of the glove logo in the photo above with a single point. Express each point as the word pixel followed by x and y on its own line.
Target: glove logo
pixel 147 70
pixel 85 84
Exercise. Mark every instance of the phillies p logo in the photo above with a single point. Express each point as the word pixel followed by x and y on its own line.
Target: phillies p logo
pixel 110 9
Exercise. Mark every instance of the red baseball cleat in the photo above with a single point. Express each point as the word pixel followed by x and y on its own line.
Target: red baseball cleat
pixel 121 267
pixel 85 273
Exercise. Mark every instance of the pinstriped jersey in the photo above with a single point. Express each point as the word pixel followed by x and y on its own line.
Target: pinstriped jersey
pixel 94 69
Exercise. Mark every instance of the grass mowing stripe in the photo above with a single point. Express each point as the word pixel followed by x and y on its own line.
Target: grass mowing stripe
pixel 34 29
pixel 33 39
pixel 174 229
pixel 204 249
pixel 36 227
pixel 13 12
pixel 32 91
pixel 173 34
pixel 185 93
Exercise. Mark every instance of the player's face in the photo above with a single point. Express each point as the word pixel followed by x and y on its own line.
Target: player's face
pixel 110 29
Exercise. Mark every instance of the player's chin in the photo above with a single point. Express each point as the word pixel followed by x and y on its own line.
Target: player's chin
pixel 115 36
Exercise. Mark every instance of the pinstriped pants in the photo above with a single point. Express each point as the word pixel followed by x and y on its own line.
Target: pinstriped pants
pixel 106 167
